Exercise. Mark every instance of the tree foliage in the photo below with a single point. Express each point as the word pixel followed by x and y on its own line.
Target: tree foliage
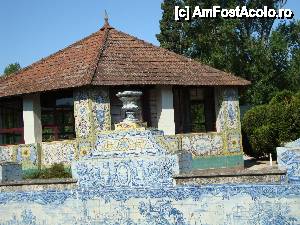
pixel 248 48
pixel 12 68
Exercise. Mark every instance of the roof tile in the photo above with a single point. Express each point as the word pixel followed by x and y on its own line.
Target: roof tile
pixel 111 57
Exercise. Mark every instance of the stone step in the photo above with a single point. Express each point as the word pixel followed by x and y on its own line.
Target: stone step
pixel 39 185
pixel 270 174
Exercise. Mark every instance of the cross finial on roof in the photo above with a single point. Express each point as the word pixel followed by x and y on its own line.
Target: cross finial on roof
pixel 106 23
pixel 105 17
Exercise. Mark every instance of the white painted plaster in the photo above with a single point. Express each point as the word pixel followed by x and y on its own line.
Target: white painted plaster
pixel 32 119
pixel 165 110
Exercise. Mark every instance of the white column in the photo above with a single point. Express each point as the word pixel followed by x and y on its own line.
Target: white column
pixel 165 110
pixel 32 119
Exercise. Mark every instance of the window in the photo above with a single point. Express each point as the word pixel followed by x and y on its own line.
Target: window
pixel 194 109
pixel 11 121
pixel 58 116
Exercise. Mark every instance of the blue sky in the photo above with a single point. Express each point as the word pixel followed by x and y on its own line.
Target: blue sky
pixel 32 29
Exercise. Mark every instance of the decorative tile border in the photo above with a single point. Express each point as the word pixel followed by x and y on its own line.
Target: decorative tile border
pixel 228 119
pixel 58 152
pixel 100 109
pixel 135 172
pixel 8 153
pixel 249 204
pixel 84 148
pixel 203 144
pixel 82 113
pixel 131 142
pixel 172 143
pixel 234 142
pixel 91 111
pixel 288 157
pixel 29 156
pixel 233 111
pixel 112 143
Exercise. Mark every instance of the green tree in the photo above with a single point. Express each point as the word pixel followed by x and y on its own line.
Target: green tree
pixel 12 68
pixel 290 35
pixel 245 47
pixel 200 37
pixel 171 36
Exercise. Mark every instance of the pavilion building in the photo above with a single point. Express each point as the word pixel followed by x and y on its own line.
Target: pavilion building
pixel 70 96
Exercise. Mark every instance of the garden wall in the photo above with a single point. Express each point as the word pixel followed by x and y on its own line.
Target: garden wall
pixel 136 187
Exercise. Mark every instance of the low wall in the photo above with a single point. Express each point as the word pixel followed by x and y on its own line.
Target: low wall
pixel 208 150
pixel 135 187
pixel 213 150
pixel 289 157
pixel 226 204
pixel 36 156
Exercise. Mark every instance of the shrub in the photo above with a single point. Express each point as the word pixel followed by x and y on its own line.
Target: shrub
pixel 57 170
pixel 282 97
pixel 267 126
pixel 263 140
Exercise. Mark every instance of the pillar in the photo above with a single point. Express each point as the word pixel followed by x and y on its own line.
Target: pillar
pixel 228 118
pixel 165 110
pixel 91 111
pixel 32 119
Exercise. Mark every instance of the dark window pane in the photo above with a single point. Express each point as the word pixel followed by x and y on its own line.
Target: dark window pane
pixel 47 118
pixel 11 121
pixel 58 116
pixel 68 129
pixel 64 102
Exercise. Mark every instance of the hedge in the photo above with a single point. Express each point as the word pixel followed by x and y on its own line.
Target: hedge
pixel 266 127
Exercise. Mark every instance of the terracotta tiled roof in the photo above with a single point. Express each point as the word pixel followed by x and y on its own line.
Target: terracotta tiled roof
pixel 111 57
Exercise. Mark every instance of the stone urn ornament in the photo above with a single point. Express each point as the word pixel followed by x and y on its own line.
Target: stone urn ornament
pixel 130 104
